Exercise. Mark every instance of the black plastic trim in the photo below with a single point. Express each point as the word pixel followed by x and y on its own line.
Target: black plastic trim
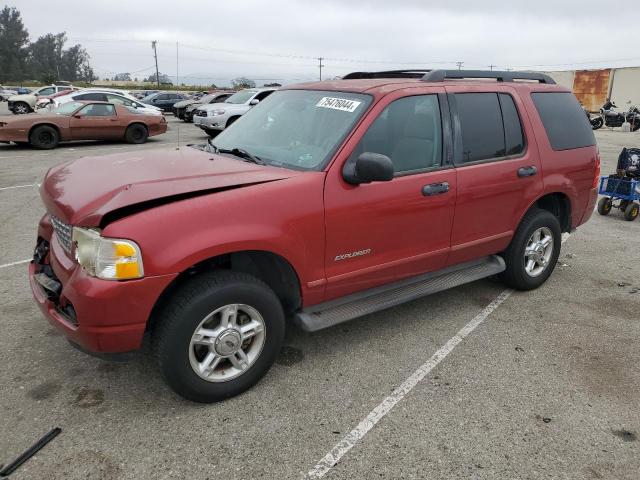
pixel 386 74
pixel 500 76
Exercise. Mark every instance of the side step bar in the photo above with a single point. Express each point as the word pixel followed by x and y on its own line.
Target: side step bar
pixel 332 313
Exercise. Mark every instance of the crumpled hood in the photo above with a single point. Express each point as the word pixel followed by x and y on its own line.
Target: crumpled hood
pixel 82 191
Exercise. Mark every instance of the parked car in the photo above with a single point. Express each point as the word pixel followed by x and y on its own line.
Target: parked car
pixel 21 104
pixel 102 95
pixel 215 117
pixel 21 90
pixel 81 121
pixel 184 109
pixel 5 93
pixel 164 100
pixel 144 93
pixel 326 202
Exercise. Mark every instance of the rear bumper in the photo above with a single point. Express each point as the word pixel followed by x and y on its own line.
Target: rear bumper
pixel 109 316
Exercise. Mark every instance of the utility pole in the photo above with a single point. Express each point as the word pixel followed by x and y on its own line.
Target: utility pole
pixel 155 54
pixel 491 67
pixel 459 64
pixel 177 66
pixel 320 65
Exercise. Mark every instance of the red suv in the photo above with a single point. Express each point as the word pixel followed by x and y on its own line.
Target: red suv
pixel 325 202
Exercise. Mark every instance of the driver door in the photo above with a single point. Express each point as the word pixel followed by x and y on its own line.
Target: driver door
pixel 382 232
pixel 95 121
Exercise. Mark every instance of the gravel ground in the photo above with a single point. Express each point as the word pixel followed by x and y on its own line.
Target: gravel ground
pixel 546 387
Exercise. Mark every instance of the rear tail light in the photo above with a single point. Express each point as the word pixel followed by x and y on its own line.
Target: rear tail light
pixel 596 177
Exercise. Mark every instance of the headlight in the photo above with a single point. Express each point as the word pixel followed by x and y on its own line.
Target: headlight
pixel 217 112
pixel 107 258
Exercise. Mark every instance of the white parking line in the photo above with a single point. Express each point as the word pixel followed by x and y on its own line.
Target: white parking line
pixel 15 263
pixel 20 186
pixel 378 413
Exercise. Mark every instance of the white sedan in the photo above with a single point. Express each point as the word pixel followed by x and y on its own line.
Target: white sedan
pixel 102 95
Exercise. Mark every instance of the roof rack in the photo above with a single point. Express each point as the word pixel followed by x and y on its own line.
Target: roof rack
pixel 442 75
pixel 387 74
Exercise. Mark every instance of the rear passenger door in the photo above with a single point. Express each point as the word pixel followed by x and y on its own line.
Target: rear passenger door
pixel 384 231
pixel 498 171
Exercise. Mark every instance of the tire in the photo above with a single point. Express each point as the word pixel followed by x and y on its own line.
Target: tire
pixel 631 212
pixel 44 137
pixel 597 123
pixel 20 108
pixel 231 121
pixel 136 133
pixel 604 206
pixel 190 308
pixel 635 125
pixel 623 205
pixel 516 274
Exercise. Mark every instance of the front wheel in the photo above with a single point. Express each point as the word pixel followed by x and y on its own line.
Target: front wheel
pixel 532 255
pixel 21 108
pixel 597 123
pixel 219 335
pixel 604 206
pixel 44 137
pixel 136 133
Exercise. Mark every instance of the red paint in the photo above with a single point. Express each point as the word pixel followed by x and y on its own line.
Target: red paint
pixel 307 218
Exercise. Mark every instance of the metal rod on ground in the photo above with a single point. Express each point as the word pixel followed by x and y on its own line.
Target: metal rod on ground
pixel 9 469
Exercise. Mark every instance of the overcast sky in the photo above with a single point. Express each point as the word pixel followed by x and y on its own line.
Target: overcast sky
pixel 279 40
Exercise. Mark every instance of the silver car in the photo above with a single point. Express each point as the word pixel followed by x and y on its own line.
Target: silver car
pixel 215 117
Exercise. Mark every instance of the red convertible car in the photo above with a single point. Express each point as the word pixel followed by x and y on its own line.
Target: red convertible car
pixel 81 121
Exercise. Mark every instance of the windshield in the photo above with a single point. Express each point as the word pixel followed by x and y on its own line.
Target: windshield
pixel 67 108
pixel 242 96
pixel 298 129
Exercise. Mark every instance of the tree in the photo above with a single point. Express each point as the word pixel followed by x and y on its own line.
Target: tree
pixel 164 79
pixel 242 82
pixel 49 60
pixel 122 77
pixel 14 39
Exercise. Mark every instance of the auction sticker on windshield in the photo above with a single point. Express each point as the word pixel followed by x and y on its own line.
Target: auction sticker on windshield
pixel 342 104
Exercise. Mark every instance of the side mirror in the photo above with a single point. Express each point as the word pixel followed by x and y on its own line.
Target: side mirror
pixel 368 167
pixel 255 101
pixel 77 115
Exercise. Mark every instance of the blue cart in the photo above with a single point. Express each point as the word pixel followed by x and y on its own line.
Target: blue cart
pixel 621 189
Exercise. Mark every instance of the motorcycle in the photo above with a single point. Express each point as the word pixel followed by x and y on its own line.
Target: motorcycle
pixel 610 118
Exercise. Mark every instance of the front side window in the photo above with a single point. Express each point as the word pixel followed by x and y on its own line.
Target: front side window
pixel 299 129
pixel 46 91
pixel 98 110
pixel 409 132
pixel 262 95
pixel 97 97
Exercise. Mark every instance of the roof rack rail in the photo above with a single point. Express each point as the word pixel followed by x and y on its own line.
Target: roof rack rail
pixel 386 74
pixel 442 75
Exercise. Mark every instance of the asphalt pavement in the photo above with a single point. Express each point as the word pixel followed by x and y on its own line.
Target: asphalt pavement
pixel 546 384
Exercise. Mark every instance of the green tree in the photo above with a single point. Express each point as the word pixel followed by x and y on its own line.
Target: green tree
pixel 242 82
pixel 14 39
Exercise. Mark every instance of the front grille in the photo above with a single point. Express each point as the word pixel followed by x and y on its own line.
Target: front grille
pixel 63 232
pixel 200 113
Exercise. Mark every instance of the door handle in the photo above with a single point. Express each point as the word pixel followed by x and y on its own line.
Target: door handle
pixel 435 189
pixel 529 171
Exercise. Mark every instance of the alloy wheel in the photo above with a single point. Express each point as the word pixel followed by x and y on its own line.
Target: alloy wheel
pixel 538 251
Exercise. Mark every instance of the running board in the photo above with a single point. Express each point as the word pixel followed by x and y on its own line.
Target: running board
pixel 332 313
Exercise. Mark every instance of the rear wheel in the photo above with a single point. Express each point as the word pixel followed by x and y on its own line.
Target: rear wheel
pixel 631 212
pixel 219 335
pixel 604 206
pixel 44 137
pixel 136 133
pixel 533 252
pixel 597 123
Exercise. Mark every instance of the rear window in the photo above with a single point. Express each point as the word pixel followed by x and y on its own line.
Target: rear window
pixel 564 120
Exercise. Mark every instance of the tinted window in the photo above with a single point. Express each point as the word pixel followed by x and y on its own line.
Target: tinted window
pixel 409 132
pixel 513 136
pixel 481 126
pixel 564 120
pixel 98 97
pixel 98 110
pixel 261 96
pixel 163 96
pixel 47 91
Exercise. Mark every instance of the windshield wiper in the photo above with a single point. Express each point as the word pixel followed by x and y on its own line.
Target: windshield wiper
pixel 241 153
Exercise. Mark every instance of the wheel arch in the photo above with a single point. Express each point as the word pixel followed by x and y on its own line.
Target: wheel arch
pixel 137 122
pixel 272 268
pixel 45 124
pixel 231 119
pixel 558 203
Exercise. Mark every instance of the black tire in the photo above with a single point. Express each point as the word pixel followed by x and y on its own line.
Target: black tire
pixel 136 133
pixel 604 206
pixel 597 123
pixel 635 125
pixel 515 274
pixel 231 121
pixel 44 137
pixel 212 133
pixel 623 205
pixel 631 212
pixel 20 108
pixel 183 313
